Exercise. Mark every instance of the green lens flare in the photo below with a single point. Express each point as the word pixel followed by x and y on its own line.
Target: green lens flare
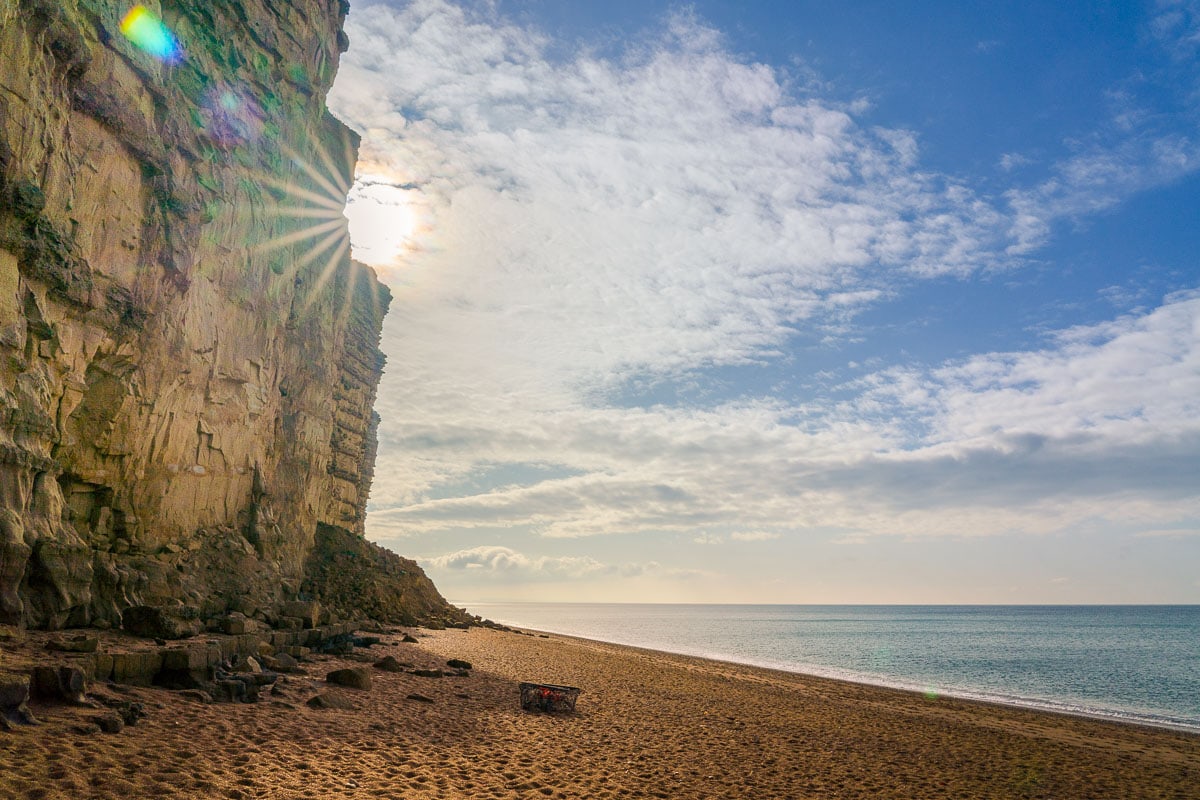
pixel 148 32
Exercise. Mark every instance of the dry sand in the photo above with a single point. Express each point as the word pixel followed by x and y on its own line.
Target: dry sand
pixel 647 725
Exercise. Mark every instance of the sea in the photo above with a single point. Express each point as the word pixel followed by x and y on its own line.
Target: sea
pixel 1137 664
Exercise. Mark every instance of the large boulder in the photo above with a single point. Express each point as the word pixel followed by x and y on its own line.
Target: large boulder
pixel 389 664
pixel 329 700
pixel 307 611
pixel 14 696
pixel 159 622
pixel 60 683
pixel 354 677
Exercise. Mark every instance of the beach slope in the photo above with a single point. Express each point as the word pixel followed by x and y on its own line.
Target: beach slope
pixel 647 725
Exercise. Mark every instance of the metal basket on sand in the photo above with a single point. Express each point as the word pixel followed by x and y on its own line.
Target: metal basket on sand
pixel 548 697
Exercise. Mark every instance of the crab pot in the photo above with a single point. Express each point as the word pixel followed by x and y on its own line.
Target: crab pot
pixel 548 697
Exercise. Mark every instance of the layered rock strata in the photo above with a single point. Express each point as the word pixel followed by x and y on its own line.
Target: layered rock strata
pixel 188 356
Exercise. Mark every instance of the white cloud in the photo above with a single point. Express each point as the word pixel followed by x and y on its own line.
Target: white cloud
pixel 504 559
pixel 754 536
pixel 1098 179
pixel 1133 380
pixel 499 561
pixel 1011 161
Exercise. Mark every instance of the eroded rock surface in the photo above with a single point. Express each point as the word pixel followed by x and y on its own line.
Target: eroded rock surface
pixel 188 357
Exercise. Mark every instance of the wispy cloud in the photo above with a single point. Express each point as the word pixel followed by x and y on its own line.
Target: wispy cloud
pixel 1097 179
pixel 754 536
pixel 504 559
pixel 499 561
pixel 1140 147
pixel 1169 533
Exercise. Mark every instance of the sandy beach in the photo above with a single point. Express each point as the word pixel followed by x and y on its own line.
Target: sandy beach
pixel 647 725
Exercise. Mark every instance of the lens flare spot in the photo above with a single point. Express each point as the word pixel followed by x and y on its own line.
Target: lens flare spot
pixel 148 32
pixel 233 116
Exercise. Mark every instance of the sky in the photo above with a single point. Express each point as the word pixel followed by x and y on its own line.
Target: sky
pixel 784 302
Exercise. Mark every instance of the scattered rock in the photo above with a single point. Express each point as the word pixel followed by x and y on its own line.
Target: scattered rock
pixel 197 695
pixel 86 728
pixel 14 696
pixel 420 698
pixel 428 673
pixel 458 663
pixel 59 683
pixel 247 664
pixel 408 639
pixel 354 677
pixel 340 645
pixel 330 700
pixel 128 711
pixel 366 641
pixel 307 611
pixel 390 664
pixel 281 662
pixel 109 723
pixel 76 644
pixel 298 652
pixel 226 690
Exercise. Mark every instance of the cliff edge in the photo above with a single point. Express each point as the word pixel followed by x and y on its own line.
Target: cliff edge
pixel 188 356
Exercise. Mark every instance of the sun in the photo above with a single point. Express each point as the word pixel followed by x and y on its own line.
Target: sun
pixel 384 220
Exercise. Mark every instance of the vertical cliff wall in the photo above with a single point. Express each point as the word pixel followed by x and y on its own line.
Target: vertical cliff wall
pixel 188 356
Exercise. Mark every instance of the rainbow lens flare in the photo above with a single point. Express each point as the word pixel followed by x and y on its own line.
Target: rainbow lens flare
pixel 148 32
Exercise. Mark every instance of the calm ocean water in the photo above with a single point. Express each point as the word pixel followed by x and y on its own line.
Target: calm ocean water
pixel 1136 663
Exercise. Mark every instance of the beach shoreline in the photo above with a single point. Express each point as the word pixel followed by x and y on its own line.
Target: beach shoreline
pixel 647 724
pixel 882 682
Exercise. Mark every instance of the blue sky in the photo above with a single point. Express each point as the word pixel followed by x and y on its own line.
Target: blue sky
pixel 785 301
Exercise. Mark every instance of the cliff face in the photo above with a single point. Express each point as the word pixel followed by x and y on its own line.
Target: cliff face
pixel 188 357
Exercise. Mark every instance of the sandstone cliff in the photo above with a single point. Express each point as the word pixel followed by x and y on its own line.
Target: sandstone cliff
pixel 188 356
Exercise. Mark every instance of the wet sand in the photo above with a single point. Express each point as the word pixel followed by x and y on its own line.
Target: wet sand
pixel 647 725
